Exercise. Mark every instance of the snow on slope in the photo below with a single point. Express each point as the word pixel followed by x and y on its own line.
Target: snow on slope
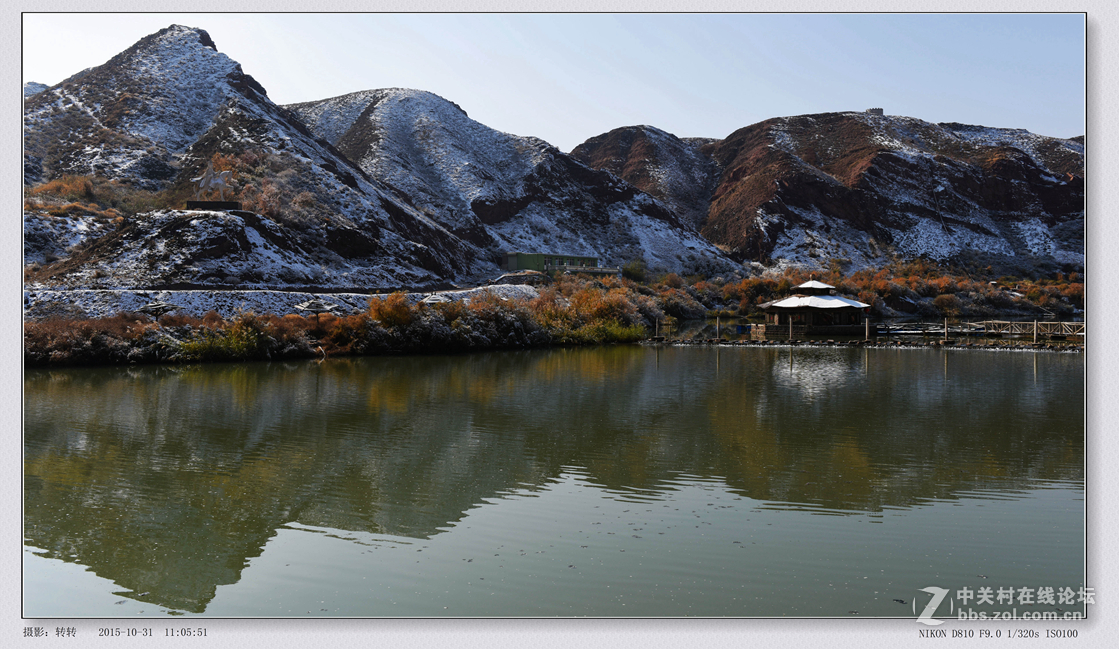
pixel 1021 139
pixel 173 87
pixel 678 165
pixel 684 177
pixel 929 202
pixel 520 193
pixel 132 116
pixel 185 86
pixel 160 109
pixel 673 170
pixel 427 148
pixel 220 249
pixel 46 237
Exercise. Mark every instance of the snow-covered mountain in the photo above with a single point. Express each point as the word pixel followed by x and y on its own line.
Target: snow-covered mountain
pixel 390 187
pixel 400 188
pixel 502 191
pixel 858 188
pixel 156 114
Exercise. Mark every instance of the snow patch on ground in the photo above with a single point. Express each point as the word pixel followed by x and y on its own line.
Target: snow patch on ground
pixel 1035 235
pixel 46 236
pixel 430 150
pixel 782 139
pixel 94 303
pixel 677 166
pixel 1070 257
pixel 202 247
pixel 818 239
pixel 929 237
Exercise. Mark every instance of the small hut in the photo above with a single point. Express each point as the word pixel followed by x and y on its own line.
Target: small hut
pixel 814 308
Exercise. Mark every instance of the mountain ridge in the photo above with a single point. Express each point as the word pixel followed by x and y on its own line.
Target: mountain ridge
pixel 400 187
pixel 859 188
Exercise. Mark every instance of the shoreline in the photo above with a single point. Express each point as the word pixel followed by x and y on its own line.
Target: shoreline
pixel 897 344
pixel 1071 348
pixel 256 325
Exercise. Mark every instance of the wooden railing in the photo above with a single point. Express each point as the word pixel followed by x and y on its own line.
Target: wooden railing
pixel 1047 329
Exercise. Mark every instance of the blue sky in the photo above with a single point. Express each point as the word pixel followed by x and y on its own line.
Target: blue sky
pixel 568 77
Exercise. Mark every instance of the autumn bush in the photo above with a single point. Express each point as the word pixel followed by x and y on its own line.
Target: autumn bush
pixel 391 311
pixel 346 334
pixel 917 284
pixel 948 304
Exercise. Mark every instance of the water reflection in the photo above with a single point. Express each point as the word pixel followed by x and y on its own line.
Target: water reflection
pixel 815 372
pixel 168 480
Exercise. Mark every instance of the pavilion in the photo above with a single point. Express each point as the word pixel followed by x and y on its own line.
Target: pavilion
pixel 813 308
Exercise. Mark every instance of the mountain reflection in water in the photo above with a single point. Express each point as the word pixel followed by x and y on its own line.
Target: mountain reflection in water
pixel 169 480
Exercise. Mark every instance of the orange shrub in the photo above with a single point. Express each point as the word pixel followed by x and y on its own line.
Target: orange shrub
pixel 69 187
pixel 948 304
pixel 344 332
pixel 598 305
pixel 391 311
pixel 547 310
pixel 451 311
pixel 1074 293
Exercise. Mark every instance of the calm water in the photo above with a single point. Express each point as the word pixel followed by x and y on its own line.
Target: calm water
pixel 605 482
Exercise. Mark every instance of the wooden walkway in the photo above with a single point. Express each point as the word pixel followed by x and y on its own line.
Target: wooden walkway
pixel 1035 329
pixel 986 328
pixel 929 329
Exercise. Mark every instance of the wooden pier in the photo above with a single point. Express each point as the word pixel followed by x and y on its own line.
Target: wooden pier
pixel 929 329
pixel 1035 329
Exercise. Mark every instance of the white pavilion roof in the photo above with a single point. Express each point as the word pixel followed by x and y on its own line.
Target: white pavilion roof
pixel 818 302
pixel 814 284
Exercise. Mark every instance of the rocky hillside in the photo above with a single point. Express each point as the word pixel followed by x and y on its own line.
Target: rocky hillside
pixel 671 169
pixel 156 114
pixel 504 192
pixel 857 188
pixel 400 188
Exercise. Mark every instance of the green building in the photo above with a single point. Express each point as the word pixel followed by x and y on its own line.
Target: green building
pixel 547 262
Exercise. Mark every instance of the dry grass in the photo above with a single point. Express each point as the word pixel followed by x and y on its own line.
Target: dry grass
pixel 95 195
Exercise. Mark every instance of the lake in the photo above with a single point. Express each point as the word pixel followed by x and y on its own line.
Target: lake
pixel 613 481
